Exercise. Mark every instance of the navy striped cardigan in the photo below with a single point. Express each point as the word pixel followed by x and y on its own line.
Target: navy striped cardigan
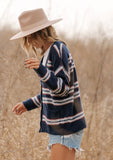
pixel 61 109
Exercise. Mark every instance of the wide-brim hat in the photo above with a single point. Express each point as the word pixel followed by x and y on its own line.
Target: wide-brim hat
pixel 32 21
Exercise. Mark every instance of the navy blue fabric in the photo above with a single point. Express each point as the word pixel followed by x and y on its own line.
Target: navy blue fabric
pixel 61 109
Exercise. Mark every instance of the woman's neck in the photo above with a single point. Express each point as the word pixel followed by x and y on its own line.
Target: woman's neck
pixel 47 45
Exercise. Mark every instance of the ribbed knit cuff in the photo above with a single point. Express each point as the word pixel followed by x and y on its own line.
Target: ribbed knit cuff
pixel 41 71
pixel 29 104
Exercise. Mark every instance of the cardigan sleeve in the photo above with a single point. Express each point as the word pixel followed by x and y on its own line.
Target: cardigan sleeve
pixel 57 80
pixel 32 103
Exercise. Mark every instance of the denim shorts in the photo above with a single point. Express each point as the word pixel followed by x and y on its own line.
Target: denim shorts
pixel 71 141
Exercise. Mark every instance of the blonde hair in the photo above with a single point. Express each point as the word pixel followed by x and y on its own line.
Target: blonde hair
pixel 47 34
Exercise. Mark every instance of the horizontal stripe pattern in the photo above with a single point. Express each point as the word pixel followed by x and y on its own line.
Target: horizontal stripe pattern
pixel 67 90
pixel 69 119
pixel 60 95
pixel 54 94
pixel 69 100
pixel 59 86
pixel 70 58
pixel 46 77
pixel 49 63
pixel 36 101
pixel 60 102
pixel 50 93
pixel 72 67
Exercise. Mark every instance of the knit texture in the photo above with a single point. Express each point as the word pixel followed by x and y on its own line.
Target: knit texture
pixel 61 109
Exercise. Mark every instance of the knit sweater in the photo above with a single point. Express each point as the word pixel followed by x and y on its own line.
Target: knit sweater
pixel 61 109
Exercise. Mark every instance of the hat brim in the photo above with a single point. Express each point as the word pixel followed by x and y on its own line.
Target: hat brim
pixel 35 29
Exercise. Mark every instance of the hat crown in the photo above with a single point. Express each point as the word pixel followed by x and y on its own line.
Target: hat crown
pixel 28 19
pixel 32 21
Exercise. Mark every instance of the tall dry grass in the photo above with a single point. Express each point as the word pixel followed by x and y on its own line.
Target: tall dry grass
pixel 19 137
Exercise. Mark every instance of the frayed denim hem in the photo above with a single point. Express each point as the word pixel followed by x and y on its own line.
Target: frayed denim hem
pixel 71 141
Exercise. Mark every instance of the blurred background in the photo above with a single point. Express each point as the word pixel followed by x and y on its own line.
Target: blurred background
pixel 87 29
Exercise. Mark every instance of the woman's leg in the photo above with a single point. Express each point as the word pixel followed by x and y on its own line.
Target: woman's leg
pixel 61 152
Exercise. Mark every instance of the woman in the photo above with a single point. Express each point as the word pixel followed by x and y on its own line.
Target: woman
pixel 62 115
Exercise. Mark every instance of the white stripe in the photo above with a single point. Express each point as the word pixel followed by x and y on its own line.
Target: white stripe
pixel 66 118
pixel 37 100
pixel 76 93
pixel 72 67
pixel 49 63
pixel 46 77
pixel 45 56
pixel 48 92
pixel 70 58
pixel 33 99
pixel 63 120
pixel 59 102
pixel 75 83
pixel 59 86
pixel 61 46
pixel 67 90
pixel 58 70
pixel 75 97
pixel 65 72
pixel 57 49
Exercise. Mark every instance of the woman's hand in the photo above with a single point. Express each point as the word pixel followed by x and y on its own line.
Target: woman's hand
pixel 32 63
pixel 19 108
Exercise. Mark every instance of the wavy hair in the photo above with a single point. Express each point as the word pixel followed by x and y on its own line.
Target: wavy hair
pixel 48 34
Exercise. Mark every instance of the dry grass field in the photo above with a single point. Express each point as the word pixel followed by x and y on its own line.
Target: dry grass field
pixel 19 137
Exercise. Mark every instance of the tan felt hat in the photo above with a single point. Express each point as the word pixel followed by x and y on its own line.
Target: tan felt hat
pixel 32 21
